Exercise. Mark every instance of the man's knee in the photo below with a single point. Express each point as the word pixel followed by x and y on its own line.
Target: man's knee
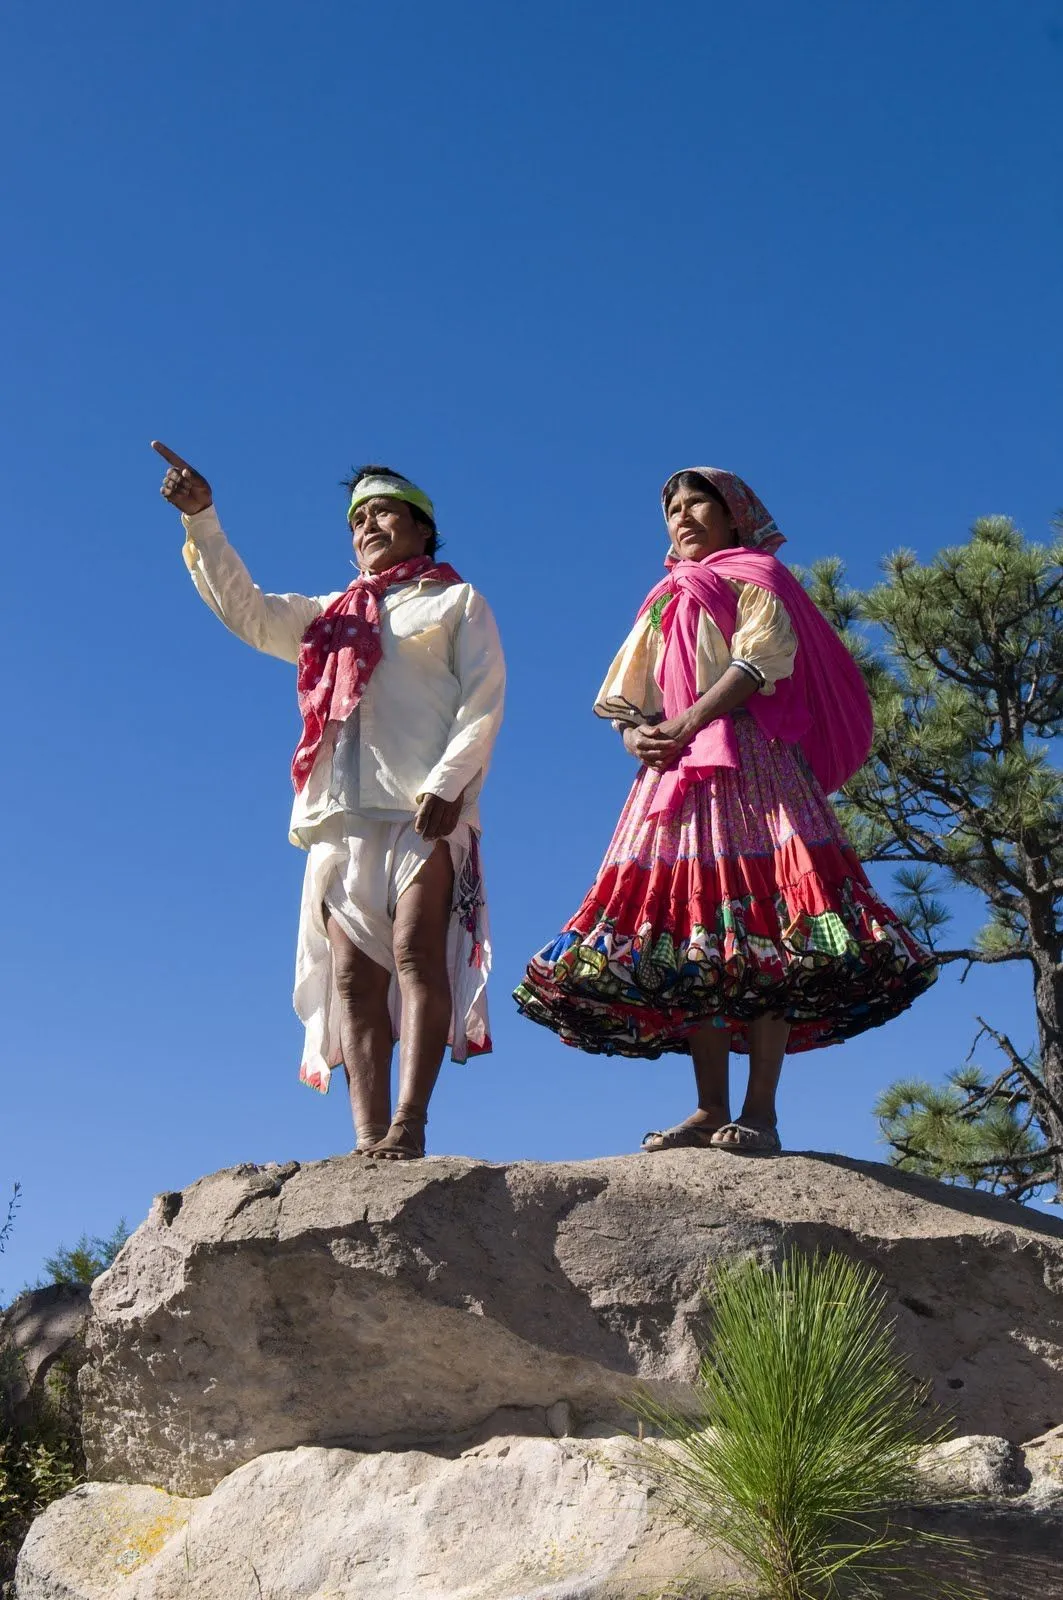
pixel 418 956
pixel 358 981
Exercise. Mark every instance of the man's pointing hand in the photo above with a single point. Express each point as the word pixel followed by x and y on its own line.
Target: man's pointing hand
pixel 183 486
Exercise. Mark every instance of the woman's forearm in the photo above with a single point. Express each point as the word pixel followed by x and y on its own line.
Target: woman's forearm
pixel 660 746
pixel 728 693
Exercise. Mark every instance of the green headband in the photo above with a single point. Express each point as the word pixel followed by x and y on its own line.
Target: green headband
pixel 391 489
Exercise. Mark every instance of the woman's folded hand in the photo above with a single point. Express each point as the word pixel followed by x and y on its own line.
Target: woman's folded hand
pixel 661 745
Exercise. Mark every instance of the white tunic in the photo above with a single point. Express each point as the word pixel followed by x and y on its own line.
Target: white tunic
pixel 432 709
pixel 425 725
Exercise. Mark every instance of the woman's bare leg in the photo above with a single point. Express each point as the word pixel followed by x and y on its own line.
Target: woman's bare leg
pixel 767 1045
pixel 710 1050
pixel 422 918
pixel 365 1034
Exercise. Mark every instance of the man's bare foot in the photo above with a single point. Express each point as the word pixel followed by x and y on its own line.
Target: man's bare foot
pixel 404 1140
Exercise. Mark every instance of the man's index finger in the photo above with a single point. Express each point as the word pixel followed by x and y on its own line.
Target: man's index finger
pixel 171 456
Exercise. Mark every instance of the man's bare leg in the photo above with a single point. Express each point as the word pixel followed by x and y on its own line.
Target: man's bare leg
pixel 365 1034
pixel 422 918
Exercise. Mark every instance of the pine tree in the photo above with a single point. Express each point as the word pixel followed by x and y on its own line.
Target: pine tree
pixel 964 659
pixel 87 1259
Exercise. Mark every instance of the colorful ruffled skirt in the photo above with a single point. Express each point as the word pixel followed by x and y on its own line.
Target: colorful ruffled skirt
pixel 748 901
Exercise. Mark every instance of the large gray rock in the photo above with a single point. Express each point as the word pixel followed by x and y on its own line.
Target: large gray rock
pixel 381 1307
pixel 516 1519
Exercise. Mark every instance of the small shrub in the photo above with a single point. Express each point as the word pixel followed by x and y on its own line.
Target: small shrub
pixel 38 1464
pixel 40 1461
pixel 805 1443
pixel 14 1200
pixel 13 1203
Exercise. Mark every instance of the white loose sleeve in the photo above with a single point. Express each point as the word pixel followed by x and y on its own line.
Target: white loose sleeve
pixel 764 639
pixel 480 668
pixel 630 691
pixel 274 623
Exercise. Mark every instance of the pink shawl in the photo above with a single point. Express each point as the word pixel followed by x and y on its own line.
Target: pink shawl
pixel 824 707
pixel 340 652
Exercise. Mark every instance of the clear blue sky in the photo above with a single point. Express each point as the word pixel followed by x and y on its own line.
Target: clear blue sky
pixel 538 258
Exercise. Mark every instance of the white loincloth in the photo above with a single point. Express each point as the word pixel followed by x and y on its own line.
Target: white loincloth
pixel 359 869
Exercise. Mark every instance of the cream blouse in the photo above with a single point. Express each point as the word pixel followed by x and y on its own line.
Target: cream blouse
pixel 764 645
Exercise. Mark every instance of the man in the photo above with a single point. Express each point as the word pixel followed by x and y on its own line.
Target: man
pixel 400 682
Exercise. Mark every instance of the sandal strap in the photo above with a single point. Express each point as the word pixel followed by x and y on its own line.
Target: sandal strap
pixel 762 1136
pixel 685 1135
pixel 410 1116
pixel 370 1134
pixel 412 1120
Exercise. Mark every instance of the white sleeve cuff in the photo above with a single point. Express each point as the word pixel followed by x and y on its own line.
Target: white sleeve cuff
pixel 201 522
pixel 752 671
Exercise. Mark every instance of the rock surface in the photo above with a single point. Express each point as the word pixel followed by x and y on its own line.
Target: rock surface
pixel 381 1307
pixel 515 1519
pixel 39 1329
pixel 1044 1458
pixel 1015 1551
pixel 979 1465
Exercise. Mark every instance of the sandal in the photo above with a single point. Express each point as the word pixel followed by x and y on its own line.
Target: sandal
pixel 367 1137
pixel 747 1139
pixel 404 1140
pixel 684 1136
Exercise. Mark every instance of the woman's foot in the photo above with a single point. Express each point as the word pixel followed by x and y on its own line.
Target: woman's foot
pixel 696 1133
pixel 404 1140
pixel 747 1136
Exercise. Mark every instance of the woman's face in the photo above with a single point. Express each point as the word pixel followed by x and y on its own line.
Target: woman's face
pixel 386 532
pixel 698 525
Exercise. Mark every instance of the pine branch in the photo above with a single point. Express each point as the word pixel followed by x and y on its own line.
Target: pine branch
pixel 924 849
pixel 988 959
pixel 922 655
pixel 1022 1190
pixel 997 1091
pixel 1039 1091
pixel 974 820
pixel 899 812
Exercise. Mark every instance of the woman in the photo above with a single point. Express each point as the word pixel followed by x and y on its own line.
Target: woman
pixel 730 912
pixel 400 682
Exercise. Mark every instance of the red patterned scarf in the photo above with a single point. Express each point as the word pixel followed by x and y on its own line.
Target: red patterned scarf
pixel 340 652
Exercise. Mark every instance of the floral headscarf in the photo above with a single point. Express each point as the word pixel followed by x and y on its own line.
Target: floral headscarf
pixel 754 523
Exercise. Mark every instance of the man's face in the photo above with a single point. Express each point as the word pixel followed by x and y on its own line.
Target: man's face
pixel 386 532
